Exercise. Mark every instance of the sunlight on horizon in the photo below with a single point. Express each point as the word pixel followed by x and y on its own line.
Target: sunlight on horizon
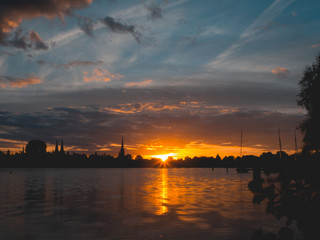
pixel 164 157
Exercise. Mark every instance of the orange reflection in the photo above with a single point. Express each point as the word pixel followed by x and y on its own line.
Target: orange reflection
pixel 163 193
pixel 192 195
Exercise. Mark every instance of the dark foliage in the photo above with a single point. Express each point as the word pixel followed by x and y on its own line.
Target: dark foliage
pixel 309 98
pixel 293 194
pixel 36 148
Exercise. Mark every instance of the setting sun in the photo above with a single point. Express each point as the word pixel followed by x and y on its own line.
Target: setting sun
pixel 164 157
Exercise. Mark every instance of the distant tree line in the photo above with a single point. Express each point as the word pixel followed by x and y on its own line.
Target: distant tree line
pixel 35 155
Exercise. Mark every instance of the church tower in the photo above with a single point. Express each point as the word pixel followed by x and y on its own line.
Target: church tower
pixel 121 153
pixel 61 148
pixel 56 149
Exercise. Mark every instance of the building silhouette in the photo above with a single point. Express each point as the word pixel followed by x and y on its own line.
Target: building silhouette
pixel 121 152
pixel 61 148
pixel 56 150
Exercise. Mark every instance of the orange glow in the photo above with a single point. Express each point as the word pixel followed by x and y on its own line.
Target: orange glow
pixel 11 24
pixel 173 192
pixel 164 157
pixel 192 149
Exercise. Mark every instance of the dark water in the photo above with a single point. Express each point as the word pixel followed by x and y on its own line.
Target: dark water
pixel 129 204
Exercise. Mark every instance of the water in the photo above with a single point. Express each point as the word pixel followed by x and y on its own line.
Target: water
pixel 129 204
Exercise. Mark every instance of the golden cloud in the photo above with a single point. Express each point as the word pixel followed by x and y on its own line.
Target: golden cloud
pixel 138 84
pixel 6 82
pixel 100 75
pixel 13 12
pixel 279 70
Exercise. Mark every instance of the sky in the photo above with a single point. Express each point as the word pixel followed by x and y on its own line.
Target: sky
pixel 172 77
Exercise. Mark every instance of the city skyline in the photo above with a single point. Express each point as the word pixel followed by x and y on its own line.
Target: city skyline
pixel 179 78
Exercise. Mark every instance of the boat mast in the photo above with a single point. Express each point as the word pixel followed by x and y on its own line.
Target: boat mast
pixel 241 144
pixel 295 144
pixel 280 142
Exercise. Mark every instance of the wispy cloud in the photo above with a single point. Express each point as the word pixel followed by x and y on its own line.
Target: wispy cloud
pixel 261 23
pixel 138 84
pixel 100 75
pixel 75 63
pixel 137 107
pixel 5 53
pixel 12 13
pixel 155 11
pixel 86 25
pixel 14 82
pixel 280 71
pixel 315 45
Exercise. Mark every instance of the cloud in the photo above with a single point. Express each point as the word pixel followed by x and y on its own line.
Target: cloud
pixel 315 46
pixel 12 13
pixel 13 82
pixel 91 127
pixel 5 53
pixel 84 63
pixel 100 75
pixel 155 11
pixel 13 145
pixel 86 25
pixel 37 41
pixel 75 63
pixel 280 71
pixel 244 94
pixel 24 39
pixel 260 23
pixel 129 108
pixel 118 27
pixel 138 84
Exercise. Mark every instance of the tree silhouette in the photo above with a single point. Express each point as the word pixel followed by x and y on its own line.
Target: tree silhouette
pixel 309 98
pixel 36 147
pixel 294 194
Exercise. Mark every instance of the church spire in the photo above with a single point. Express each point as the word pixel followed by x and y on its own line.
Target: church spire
pixel 56 149
pixel 121 153
pixel 61 148
pixel 122 143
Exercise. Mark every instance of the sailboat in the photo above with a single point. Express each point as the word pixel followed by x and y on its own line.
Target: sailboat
pixel 280 146
pixel 295 145
pixel 241 169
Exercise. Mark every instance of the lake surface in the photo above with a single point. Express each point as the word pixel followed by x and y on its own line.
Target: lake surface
pixel 129 204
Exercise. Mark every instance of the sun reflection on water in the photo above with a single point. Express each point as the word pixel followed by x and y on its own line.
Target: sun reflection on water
pixel 163 192
pixel 184 203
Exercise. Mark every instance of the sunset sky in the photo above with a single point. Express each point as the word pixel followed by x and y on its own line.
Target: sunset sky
pixel 172 77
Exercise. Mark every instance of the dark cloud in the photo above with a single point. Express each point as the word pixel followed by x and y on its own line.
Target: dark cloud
pixel 117 27
pixel 88 127
pixel 12 13
pixel 155 11
pixel 24 40
pixel 86 25
pixel 74 63
pixel 244 94
pixel 183 116
pixel 37 42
